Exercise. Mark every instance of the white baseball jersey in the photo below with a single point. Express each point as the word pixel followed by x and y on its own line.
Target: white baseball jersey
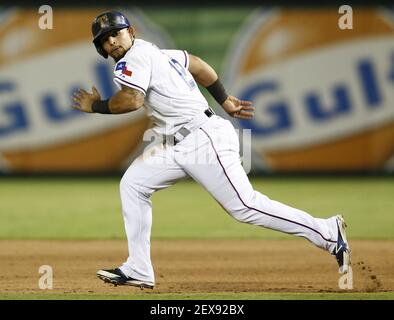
pixel 172 97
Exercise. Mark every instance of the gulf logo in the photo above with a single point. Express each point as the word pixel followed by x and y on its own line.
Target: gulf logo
pixel 324 96
pixel 39 70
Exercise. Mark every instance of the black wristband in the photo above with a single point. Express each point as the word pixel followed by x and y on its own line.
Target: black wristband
pixel 217 91
pixel 101 106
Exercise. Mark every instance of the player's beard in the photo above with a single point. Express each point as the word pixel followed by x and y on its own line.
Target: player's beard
pixel 118 54
pixel 122 51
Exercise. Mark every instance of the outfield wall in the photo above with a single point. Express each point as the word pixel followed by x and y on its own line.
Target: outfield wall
pixel 324 96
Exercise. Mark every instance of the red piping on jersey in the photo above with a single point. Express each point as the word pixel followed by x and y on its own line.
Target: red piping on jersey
pixel 251 208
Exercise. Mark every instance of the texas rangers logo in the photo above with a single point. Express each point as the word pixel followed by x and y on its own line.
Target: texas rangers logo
pixel 103 20
pixel 122 66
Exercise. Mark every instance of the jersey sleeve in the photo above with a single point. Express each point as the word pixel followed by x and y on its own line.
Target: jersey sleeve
pixel 179 55
pixel 134 71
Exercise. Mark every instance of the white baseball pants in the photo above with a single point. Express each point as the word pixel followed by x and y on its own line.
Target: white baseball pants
pixel 210 155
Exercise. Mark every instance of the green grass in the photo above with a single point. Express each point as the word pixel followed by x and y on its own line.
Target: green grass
pixel 89 208
pixel 207 296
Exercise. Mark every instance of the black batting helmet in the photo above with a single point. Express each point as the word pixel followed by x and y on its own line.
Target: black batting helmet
pixel 104 23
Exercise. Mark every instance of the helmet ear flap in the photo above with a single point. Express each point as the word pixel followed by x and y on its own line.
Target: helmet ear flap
pixel 100 50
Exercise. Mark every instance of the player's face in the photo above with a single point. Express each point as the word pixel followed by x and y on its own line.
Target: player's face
pixel 117 42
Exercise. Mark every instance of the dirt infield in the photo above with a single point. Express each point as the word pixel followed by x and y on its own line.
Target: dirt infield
pixel 192 266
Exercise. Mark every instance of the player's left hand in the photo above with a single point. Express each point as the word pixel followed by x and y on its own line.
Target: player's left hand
pixel 83 100
pixel 238 108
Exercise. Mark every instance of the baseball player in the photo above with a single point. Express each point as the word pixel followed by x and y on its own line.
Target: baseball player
pixel 164 83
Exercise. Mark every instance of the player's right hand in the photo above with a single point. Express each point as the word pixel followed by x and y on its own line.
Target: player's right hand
pixel 83 100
